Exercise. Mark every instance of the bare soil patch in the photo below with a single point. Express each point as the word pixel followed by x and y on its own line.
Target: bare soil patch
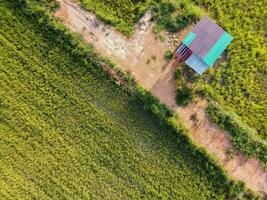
pixel 142 55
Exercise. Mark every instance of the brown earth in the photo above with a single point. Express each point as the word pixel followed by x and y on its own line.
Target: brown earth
pixel 142 55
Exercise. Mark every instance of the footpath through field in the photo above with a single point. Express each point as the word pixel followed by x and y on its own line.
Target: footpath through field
pixel 142 55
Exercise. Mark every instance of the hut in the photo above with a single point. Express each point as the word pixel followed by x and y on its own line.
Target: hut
pixel 203 45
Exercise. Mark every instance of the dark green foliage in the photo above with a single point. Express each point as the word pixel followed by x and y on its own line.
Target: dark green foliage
pixel 178 74
pixel 165 16
pixel 184 95
pixel 243 137
pixel 184 77
pixel 152 104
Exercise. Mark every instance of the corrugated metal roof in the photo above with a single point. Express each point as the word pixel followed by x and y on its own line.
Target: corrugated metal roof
pixel 189 38
pixel 218 48
pixel 207 34
pixel 196 64
pixel 207 41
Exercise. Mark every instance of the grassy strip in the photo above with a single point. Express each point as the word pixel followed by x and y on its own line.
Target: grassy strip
pixel 152 105
pixel 120 14
pixel 242 136
pixel 168 15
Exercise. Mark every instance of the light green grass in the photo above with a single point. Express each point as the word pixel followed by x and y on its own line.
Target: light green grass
pixel 121 14
pixel 67 132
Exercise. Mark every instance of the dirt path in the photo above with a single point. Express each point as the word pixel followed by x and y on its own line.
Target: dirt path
pixel 142 54
pixel 212 137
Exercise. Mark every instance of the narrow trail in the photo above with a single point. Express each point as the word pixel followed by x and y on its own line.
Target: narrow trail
pixel 142 55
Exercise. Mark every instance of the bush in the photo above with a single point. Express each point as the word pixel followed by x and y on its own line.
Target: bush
pixel 184 95
pixel 168 55
pixel 163 14
pixel 178 74
pixel 152 104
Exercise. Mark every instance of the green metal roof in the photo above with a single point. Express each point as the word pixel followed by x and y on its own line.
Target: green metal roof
pixel 189 38
pixel 218 48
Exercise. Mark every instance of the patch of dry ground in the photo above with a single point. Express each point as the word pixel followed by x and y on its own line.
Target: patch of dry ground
pixel 142 55
pixel 134 54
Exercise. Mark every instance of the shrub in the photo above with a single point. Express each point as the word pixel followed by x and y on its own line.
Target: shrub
pixel 184 95
pixel 163 14
pixel 178 74
pixel 168 55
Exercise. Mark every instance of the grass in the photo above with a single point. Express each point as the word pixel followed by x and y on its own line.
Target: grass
pixel 69 132
pixel 173 16
pixel 121 14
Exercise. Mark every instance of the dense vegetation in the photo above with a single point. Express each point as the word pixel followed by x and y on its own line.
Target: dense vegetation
pixel 174 16
pixel 240 83
pixel 121 14
pixel 67 131
pixel 124 14
pixel 243 137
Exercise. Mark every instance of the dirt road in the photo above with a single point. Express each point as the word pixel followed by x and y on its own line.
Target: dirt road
pixel 142 54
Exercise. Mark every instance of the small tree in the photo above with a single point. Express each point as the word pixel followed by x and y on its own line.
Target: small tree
pixel 184 95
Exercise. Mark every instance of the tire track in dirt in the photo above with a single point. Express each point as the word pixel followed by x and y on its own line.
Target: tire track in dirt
pixel 132 54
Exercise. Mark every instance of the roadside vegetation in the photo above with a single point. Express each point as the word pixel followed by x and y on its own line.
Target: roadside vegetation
pixel 168 55
pixel 242 136
pixel 69 131
pixel 121 14
pixel 174 16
